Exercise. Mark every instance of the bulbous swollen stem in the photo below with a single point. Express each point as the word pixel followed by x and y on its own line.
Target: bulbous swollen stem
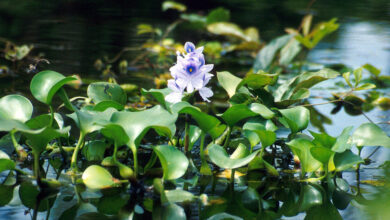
pixel 80 144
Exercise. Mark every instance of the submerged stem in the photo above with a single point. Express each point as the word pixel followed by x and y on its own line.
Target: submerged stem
pixel 80 143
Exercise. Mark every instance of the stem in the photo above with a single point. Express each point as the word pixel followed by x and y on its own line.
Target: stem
pixel 232 179
pixel 52 115
pixel 19 149
pixel 358 171
pixel 135 158
pixel 80 143
pixel 227 138
pixel 115 152
pixel 36 167
pixel 187 135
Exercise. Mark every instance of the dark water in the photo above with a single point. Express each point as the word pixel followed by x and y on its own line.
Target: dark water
pixel 72 34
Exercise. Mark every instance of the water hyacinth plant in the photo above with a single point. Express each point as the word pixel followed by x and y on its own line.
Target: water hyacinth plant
pixel 251 147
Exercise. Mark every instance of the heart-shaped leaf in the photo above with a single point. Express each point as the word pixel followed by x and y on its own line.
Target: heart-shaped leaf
pixel 229 82
pixel 218 156
pixel 45 84
pixel 116 133
pixel 321 154
pixel 346 160
pixel 15 107
pixel 343 141
pixel 158 94
pixel 104 91
pixel 297 118
pixel 96 177
pixel 173 161
pixel 94 150
pixel 136 124
pixel 301 147
pixel 370 134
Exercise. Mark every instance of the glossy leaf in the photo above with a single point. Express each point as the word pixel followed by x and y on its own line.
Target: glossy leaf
pixel 267 54
pixel 229 82
pixel 115 132
pixel 301 147
pixel 6 193
pixel 173 161
pixel 96 177
pixel 45 84
pixel 15 107
pixel 343 141
pixel 218 156
pixel 158 94
pixel 194 134
pixel 94 150
pixel 369 134
pixel 346 160
pixel 179 195
pixel 289 51
pixel 297 118
pixel 321 154
pixel 104 91
pixel 227 29
pixel 173 5
pixel 207 123
pixel 137 124
pixel 309 197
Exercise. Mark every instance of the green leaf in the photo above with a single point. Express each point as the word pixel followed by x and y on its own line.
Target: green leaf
pixel 116 133
pixel 94 150
pixel 5 162
pixel 7 193
pixel 369 134
pixel 173 161
pixel 358 73
pixel 207 123
pixel 218 156
pixel 227 29
pixel 179 195
pixel 267 54
pixel 323 140
pixel 346 77
pixel 45 84
pixel 112 204
pixel 89 120
pixel 346 160
pixel 137 124
pixel 28 194
pixel 257 80
pixel 301 148
pixel 15 107
pixel 96 177
pixel 158 94
pixel 262 110
pixel 297 88
pixel 372 69
pixel 194 134
pixel 309 197
pixel 173 5
pixel 169 211
pixel 229 82
pixel 104 91
pixel 289 51
pixel 218 15
pixel 343 141
pixel 323 212
pixel 297 118
pixel 236 113
pixel 321 154
pixel 104 105
pixel 365 86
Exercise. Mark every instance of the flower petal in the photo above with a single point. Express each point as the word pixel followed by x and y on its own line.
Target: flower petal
pixel 189 47
pixel 174 97
pixel 207 68
pixel 205 93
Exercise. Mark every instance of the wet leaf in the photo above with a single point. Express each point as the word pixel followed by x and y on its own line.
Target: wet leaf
pixel 173 161
pixel 15 107
pixel 96 177
pixel 45 84
pixel 369 134
pixel 218 156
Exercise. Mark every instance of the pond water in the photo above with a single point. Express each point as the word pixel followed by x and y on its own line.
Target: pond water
pixel 73 34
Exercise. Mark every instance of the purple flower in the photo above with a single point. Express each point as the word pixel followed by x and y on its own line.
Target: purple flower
pixel 190 74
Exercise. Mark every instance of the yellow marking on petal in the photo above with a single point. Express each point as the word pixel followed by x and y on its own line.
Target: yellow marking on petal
pixel 190 70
